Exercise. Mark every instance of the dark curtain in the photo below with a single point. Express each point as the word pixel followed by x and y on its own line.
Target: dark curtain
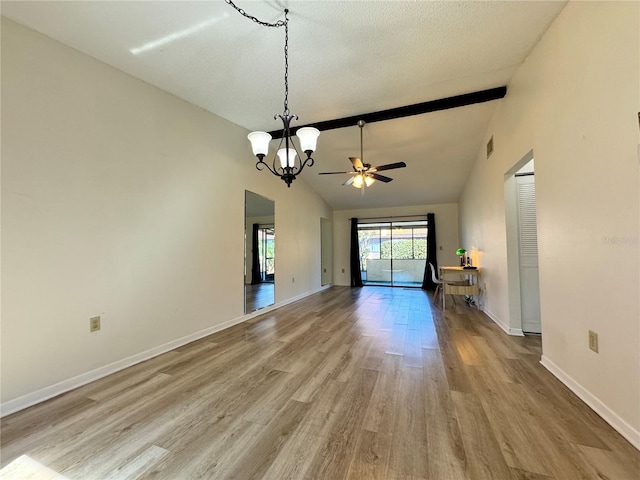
pixel 427 283
pixel 256 278
pixel 354 264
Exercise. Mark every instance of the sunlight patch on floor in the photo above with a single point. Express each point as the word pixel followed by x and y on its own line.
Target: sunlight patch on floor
pixel 26 468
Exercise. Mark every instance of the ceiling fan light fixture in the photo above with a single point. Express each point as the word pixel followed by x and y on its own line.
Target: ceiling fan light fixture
pixel 364 175
pixel 358 181
pixel 361 180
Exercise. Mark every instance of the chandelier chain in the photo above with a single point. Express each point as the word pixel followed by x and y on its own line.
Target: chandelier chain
pixel 279 23
pixel 289 168
pixel 286 63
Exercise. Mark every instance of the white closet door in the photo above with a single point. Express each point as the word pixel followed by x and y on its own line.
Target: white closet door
pixel 528 243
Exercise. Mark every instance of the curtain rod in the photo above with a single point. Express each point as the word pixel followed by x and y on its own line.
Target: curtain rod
pixel 390 216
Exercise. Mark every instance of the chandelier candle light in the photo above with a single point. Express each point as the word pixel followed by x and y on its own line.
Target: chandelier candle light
pixel 289 168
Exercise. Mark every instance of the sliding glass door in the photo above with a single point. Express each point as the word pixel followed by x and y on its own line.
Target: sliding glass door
pixel 393 253
pixel 266 249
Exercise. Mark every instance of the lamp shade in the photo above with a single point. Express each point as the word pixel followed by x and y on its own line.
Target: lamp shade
pixel 358 180
pixel 369 180
pixel 287 160
pixel 259 142
pixel 461 251
pixel 308 138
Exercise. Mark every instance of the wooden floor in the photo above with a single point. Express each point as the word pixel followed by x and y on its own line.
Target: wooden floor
pixel 369 383
pixel 258 296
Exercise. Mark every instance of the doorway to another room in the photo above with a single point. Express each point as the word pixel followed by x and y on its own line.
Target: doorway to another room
pixel 522 248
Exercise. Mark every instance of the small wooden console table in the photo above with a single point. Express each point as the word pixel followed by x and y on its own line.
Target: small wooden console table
pixel 469 286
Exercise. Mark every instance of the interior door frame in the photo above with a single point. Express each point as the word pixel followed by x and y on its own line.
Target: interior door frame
pixel 513 246
pixel 528 254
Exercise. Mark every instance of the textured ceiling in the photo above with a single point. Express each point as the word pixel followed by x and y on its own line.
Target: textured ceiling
pixel 345 57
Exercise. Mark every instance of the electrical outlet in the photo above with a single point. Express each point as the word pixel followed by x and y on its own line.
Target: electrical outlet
pixel 593 341
pixel 343 270
pixel 94 324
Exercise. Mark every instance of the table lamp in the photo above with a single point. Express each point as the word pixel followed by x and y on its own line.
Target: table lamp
pixel 461 252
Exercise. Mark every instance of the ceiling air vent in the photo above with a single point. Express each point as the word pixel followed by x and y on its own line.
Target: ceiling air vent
pixel 490 147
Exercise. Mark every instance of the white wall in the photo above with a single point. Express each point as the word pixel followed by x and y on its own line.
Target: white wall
pixel 122 201
pixel 446 216
pixel 574 101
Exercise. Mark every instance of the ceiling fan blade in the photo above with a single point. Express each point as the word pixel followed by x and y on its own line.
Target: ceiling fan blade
pixel 335 173
pixel 357 163
pixel 389 166
pixel 349 181
pixel 382 178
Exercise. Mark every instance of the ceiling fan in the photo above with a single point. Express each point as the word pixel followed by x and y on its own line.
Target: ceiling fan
pixel 363 174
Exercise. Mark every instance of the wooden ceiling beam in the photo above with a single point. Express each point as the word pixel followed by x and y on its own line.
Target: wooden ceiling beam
pixel 408 110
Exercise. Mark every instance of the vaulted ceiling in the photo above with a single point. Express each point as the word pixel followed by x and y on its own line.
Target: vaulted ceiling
pixel 346 58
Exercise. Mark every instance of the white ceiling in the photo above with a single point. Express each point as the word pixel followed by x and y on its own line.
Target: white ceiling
pixel 345 58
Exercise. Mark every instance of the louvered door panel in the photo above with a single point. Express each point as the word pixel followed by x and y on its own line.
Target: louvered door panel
pixel 527 219
pixel 528 242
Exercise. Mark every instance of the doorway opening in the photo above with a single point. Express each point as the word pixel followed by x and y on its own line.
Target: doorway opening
pixel 393 253
pixel 522 248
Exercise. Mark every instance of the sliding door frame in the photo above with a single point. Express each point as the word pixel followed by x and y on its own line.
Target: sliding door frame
pixel 409 257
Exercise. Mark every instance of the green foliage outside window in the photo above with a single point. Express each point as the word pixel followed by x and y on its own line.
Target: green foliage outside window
pixel 365 238
pixel 404 249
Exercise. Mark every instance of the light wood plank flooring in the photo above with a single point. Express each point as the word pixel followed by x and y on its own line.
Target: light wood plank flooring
pixel 370 383
pixel 258 296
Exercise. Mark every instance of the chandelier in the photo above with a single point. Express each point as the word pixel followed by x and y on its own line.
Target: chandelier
pixel 287 163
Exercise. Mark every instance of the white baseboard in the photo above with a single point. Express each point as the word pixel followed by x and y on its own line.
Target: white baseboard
pixel 516 332
pixel 609 416
pixel 30 399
